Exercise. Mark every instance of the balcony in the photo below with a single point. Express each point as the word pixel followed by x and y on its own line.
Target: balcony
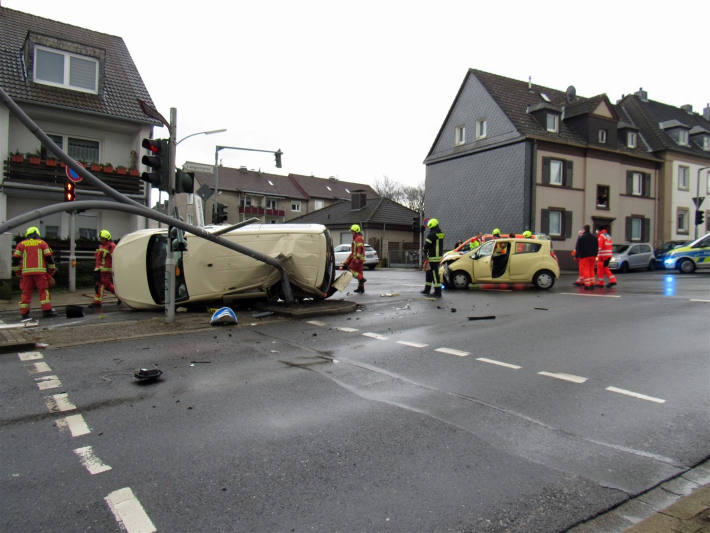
pixel 261 211
pixel 51 172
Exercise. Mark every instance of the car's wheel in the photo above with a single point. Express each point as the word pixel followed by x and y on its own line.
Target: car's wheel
pixel 651 265
pixel 544 279
pixel 686 266
pixel 624 268
pixel 372 267
pixel 460 279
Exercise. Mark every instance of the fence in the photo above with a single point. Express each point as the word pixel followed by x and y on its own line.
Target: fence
pixel 403 255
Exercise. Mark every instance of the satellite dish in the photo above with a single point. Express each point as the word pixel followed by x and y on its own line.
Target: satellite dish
pixel 571 94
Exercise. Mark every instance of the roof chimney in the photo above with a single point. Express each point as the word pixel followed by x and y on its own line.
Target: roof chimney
pixel 641 94
pixel 687 108
pixel 706 112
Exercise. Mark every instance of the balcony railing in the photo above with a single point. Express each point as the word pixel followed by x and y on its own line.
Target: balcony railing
pixel 36 171
pixel 261 211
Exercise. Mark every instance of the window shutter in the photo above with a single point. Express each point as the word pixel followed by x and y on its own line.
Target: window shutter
pixel 647 185
pixel 628 229
pixel 545 170
pixel 646 230
pixel 545 221
pixel 567 179
pixel 567 221
pixel 629 182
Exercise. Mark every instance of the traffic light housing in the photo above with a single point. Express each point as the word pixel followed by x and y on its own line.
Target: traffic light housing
pixel 69 191
pixel 220 214
pixel 277 155
pixel 158 161
pixel 178 242
pixel 699 217
pixel 184 181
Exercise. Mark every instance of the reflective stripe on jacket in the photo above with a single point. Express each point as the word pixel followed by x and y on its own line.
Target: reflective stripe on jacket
pixel 433 245
pixel 32 256
pixel 103 257
pixel 604 245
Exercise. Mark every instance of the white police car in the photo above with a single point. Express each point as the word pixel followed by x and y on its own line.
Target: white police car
pixel 687 258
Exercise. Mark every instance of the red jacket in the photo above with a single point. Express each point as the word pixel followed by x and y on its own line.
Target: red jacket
pixel 32 256
pixel 604 243
pixel 356 259
pixel 103 257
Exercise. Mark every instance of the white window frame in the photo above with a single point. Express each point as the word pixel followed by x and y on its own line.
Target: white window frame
pixel 637 184
pixel 460 135
pixel 553 127
pixel 318 203
pixel 636 229
pixel 682 219
pixel 66 75
pixel 296 206
pixel 683 137
pixel 554 223
pixel 601 136
pixel 557 178
pixel 706 143
pixel 683 178
pixel 272 203
pixel 631 139
pixel 481 129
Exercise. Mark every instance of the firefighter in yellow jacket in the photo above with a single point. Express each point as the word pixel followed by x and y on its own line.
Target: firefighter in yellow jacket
pixel 433 250
pixel 33 261
pixel 103 268
pixel 356 260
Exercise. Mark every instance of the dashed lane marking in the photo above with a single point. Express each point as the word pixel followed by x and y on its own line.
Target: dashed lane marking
pixel 499 363
pixel 413 344
pixel 75 423
pixel 699 300
pixel 592 294
pixel 30 356
pixel 563 376
pixel 39 368
pixel 92 463
pixel 347 330
pixel 374 336
pixel 316 323
pixel 59 403
pixel 451 351
pixel 129 512
pixel 48 382
pixel 635 395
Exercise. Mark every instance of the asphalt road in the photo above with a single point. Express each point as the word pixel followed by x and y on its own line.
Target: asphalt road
pixel 487 410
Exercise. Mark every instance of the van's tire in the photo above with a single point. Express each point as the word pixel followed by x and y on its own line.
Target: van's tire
pixel 544 279
pixel 686 266
pixel 459 279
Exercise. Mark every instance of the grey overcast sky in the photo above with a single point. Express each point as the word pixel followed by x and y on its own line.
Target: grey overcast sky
pixel 359 90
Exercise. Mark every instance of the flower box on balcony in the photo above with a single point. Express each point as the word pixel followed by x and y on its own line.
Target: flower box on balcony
pixel 133 172
pixel 51 162
pixel 108 169
pixel 18 158
pixel 121 170
pixel 34 160
pixel 93 167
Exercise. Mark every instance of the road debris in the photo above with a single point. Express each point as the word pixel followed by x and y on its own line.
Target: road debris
pixel 224 317
pixel 486 317
pixel 389 294
pixel 148 374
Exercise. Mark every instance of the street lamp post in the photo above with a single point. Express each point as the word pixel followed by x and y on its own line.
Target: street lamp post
pixel 277 154
pixel 209 132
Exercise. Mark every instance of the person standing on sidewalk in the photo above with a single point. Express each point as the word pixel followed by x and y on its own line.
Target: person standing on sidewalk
pixel 586 253
pixel 33 261
pixel 433 250
pixel 604 254
pixel 103 268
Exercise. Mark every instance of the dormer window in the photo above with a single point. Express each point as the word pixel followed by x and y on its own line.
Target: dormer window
pixel 706 143
pixel 460 135
pixel 683 137
pixel 601 136
pixel 552 122
pixel 631 139
pixel 64 69
pixel 481 129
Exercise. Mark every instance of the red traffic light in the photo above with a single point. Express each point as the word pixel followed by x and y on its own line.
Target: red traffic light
pixel 69 191
pixel 154 145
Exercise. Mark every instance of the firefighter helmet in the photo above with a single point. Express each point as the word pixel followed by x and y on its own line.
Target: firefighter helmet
pixel 105 234
pixel 31 230
pixel 527 234
pixel 432 223
pixel 496 231
pixel 355 228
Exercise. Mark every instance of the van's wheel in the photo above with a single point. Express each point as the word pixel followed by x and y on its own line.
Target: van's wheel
pixel 544 279
pixel 686 266
pixel 460 279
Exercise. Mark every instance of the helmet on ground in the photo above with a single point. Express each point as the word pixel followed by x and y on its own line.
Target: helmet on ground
pixel 105 234
pixel 432 223
pixel 31 230
pixel 355 228
pixel 496 231
pixel 527 234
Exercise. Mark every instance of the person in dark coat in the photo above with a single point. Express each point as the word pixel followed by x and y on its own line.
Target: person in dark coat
pixel 586 253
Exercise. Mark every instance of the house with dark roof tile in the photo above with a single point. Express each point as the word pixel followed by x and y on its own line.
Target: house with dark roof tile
pixel 515 155
pixel 82 88
pixel 681 138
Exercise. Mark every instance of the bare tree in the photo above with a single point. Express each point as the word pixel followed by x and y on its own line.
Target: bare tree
pixel 413 197
pixel 386 188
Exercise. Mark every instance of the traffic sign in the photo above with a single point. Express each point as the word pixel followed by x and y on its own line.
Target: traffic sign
pixel 205 192
pixel 698 200
pixel 73 175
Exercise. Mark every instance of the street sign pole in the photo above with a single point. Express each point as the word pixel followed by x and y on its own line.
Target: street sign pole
pixel 170 255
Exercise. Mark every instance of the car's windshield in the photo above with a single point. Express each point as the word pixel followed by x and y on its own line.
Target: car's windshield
pixel 619 248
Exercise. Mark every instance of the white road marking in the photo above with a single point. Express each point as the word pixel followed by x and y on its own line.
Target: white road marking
pixel 316 323
pixel 59 403
pixel 129 512
pixel 592 294
pixel 635 395
pixel 348 330
pixel 92 463
pixel 451 351
pixel 76 424
pixel 374 336
pixel 699 300
pixel 48 382
pixel 563 376
pixel 39 368
pixel 499 363
pixel 29 356
pixel 413 344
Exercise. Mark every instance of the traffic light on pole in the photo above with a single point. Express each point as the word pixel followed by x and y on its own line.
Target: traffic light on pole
pixel 221 214
pixel 178 242
pixel 158 162
pixel 277 154
pixel 69 191
pixel 699 217
pixel 184 181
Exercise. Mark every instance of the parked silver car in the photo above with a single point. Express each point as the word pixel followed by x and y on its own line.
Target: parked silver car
pixel 632 256
pixel 342 251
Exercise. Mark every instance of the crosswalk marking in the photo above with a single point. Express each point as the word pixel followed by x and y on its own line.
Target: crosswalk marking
pixel 92 463
pixel 59 403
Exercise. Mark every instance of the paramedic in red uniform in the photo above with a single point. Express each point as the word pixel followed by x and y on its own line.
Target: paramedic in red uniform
pixel 356 260
pixel 604 254
pixel 33 260
pixel 103 268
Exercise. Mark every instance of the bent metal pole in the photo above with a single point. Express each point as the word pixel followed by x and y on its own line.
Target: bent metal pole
pixel 126 201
